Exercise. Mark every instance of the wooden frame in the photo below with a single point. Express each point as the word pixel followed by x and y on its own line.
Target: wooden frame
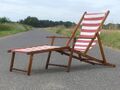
pixel 31 54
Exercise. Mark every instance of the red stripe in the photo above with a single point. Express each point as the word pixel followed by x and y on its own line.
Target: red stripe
pixel 78 45
pixel 86 36
pixel 84 30
pixel 85 41
pixel 94 18
pixel 86 24
pixel 81 45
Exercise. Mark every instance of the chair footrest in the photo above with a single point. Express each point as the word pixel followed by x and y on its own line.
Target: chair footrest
pixel 38 49
pixel 58 65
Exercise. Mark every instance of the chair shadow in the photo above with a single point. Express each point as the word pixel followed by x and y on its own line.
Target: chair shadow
pixel 74 68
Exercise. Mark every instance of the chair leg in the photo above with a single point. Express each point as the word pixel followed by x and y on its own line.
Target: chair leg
pixel 48 60
pixel 71 54
pixel 30 64
pixel 69 62
pixel 12 61
pixel 101 50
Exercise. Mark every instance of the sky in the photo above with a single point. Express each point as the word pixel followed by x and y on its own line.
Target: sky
pixel 57 10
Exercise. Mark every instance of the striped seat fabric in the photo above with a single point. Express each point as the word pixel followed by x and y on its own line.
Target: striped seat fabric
pixel 90 24
pixel 32 49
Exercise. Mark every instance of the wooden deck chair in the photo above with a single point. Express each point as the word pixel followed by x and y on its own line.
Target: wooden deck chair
pixel 40 49
pixel 61 49
pixel 89 35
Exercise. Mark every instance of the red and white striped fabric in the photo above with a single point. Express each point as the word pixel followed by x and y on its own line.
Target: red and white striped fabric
pixel 37 48
pixel 90 24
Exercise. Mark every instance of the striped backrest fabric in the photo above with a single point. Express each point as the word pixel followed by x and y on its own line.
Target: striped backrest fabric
pixel 90 24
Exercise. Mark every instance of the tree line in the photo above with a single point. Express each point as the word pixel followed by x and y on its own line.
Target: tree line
pixel 35 22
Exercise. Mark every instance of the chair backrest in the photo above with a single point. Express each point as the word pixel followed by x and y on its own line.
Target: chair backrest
pixel 91 26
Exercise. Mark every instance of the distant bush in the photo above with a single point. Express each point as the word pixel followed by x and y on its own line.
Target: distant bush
pixel 35 22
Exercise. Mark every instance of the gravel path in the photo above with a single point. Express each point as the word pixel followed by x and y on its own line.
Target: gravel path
pixel 82 76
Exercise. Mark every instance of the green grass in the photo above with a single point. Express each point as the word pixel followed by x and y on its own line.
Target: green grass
pixel 12 28
pixel 110 38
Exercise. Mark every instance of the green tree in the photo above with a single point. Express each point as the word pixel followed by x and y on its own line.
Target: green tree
pixel 4 20
pixel 33 21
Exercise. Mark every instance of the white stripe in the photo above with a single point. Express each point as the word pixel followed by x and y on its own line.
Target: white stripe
pixel 93 43
pixel 84 39
pixel 92 22
pixel 80 43
pixel 90 28
pixel 94 16
pixel 80 47
pixel 82 50
pixel 87 33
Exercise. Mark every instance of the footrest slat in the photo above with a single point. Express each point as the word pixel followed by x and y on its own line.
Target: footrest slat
pixel 58 65
pixel 19 70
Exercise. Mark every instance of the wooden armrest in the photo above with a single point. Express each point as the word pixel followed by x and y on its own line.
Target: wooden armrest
pixel 57 37
pixel 54 37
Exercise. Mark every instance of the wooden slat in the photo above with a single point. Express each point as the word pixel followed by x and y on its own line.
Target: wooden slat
pixel 19 70
pixel 42 51
pixel 57 65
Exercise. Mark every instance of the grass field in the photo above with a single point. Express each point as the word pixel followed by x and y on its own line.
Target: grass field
pixel 110 38
pixel 12 28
